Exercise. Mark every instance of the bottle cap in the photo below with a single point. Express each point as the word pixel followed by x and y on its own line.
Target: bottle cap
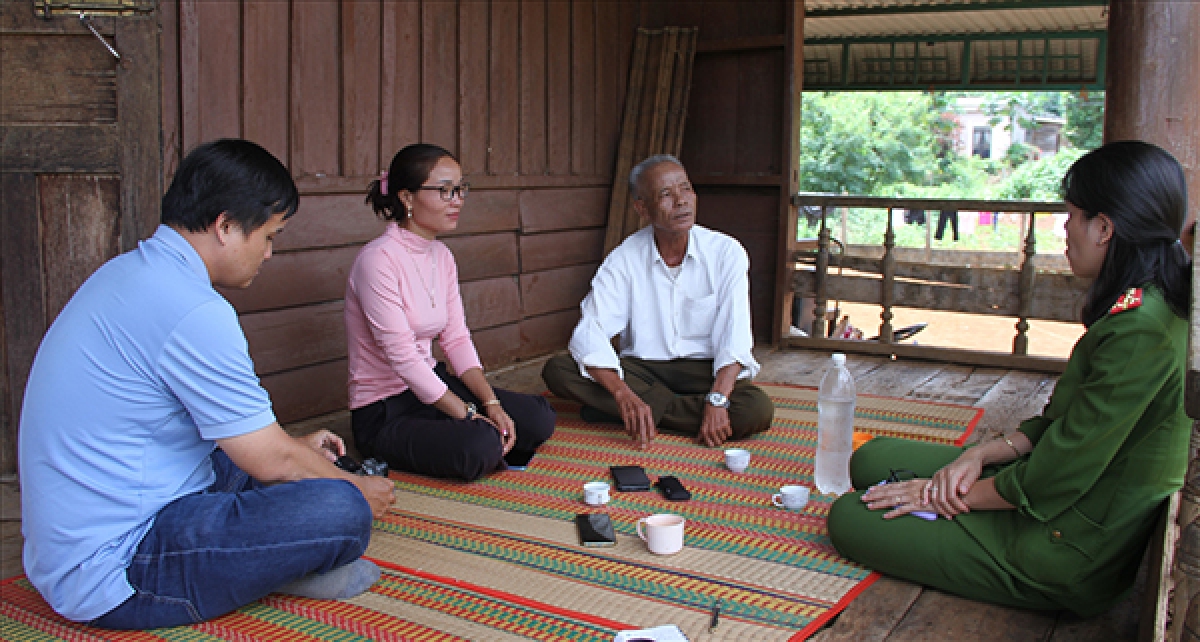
pixel 839 358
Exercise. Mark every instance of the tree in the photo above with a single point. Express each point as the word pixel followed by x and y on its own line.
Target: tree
pixel 1085 119
pixel 862 142
pixel 1039 180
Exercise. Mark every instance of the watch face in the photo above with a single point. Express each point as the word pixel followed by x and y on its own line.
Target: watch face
pixel 717 399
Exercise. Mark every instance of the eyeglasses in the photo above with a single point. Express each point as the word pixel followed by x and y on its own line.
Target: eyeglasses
pixel 448 192
pixel 900 474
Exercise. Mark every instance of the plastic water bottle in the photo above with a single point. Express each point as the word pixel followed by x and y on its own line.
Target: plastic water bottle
pixel 835 428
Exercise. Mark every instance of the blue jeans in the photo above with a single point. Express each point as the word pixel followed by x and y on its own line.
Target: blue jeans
pixel 212 552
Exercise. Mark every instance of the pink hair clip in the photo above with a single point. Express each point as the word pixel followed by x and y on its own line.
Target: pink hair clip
pixel 383 186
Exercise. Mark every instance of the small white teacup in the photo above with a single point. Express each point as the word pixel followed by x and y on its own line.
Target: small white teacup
pixel 737 459
pixel 791 497
pixel 595 493
pixel 663 533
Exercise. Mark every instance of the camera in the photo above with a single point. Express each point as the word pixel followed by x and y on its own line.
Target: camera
pixel 374 468
pixel 369 468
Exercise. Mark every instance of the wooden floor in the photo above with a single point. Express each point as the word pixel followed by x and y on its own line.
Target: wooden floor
pixel 890 609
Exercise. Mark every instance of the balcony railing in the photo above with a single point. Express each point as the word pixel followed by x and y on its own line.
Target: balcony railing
pixel 1017 283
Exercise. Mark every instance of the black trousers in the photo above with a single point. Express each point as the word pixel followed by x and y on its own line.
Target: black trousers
pixel 943 217
pixel 417 438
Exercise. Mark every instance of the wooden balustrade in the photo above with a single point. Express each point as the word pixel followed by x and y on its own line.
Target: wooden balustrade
pixel 989 285
pixel 1180 593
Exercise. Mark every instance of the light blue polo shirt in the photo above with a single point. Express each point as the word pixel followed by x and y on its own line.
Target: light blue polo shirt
pixel 140 372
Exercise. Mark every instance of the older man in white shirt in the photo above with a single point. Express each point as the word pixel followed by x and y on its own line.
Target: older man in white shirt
pixel 678 295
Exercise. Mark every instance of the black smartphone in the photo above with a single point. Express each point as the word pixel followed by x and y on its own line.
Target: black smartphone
pixel 519 460
pixel 672 489
pixel 595 529
pixel 630 478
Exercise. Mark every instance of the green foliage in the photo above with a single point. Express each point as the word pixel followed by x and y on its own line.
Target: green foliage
pixel 894 143
pixel 1039 180
pixel 902 144
pixel 1085 119
pixel 862 142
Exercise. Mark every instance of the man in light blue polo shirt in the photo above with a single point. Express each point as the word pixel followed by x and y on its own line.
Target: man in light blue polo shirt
pixel 132 515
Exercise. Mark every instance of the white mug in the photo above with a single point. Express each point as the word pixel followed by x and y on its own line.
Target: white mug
pixel 791 497
pixel 595 493
pixel 737 459
pixel 663 533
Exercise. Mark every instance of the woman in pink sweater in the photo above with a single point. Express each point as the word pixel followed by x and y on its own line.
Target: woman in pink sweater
pixel 407 408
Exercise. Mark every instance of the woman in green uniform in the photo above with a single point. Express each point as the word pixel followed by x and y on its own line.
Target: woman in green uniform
pixel 1057 514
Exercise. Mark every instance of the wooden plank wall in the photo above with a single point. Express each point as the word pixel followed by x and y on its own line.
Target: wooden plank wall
pixel 735 131
pixel 527 94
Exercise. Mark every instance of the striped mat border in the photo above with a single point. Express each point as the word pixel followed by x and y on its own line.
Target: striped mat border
pixel 26 617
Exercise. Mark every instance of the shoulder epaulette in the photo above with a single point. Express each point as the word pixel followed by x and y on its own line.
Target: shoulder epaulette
pixel 1128 301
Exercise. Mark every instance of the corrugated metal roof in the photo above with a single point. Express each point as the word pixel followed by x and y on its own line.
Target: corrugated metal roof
pixel 882 44
pixel 861 18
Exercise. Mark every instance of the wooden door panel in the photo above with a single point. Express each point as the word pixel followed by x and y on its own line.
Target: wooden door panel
pixel 6 437
pixel 24 320
pixel 79 231
pixel 74 81
pixel 80 167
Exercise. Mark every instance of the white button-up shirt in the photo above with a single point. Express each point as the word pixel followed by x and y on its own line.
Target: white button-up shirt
pixel 703 313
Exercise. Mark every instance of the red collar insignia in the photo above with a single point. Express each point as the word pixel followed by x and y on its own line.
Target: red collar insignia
pixel 1128 301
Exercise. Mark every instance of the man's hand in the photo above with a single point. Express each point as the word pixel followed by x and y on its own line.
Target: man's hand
pixel 329 445
pixel 715 428
pixel 635 413
pixel 637 417
pixel 272 456
pixel 378 491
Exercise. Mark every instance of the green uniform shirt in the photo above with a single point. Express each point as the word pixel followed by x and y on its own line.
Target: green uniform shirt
pixel 1110 447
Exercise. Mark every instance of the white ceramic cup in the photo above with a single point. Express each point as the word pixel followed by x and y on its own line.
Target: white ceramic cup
pixel 791 497
pixel 737 459
pixel 663 533
pixel 595 493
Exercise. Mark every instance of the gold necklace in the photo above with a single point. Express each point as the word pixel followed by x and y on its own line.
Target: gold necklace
pixel 432 272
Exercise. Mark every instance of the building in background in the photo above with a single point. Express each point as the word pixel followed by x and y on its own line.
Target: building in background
pixel 986 135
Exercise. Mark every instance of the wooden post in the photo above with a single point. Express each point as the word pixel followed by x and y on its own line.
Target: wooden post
pixel 784 294
pixel 1153 95
pixel 845 238
pixel 1152 84
pixel 790 178
pixel 1153 79
pixel 887 267
pixel 928 238
pixel 1025 291
pixel 821 298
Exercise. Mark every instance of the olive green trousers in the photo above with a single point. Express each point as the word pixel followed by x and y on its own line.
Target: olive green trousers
pixel 674 390
pixel 942 553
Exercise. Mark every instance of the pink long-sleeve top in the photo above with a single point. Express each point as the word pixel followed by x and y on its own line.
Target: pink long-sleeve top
pixel 402 293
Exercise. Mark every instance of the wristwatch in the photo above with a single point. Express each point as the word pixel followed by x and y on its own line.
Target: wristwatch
pixel 472 412
pixel 717 400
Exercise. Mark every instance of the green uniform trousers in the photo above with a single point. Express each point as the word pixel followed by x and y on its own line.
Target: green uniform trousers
pixel 942 553
pixel 674 390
